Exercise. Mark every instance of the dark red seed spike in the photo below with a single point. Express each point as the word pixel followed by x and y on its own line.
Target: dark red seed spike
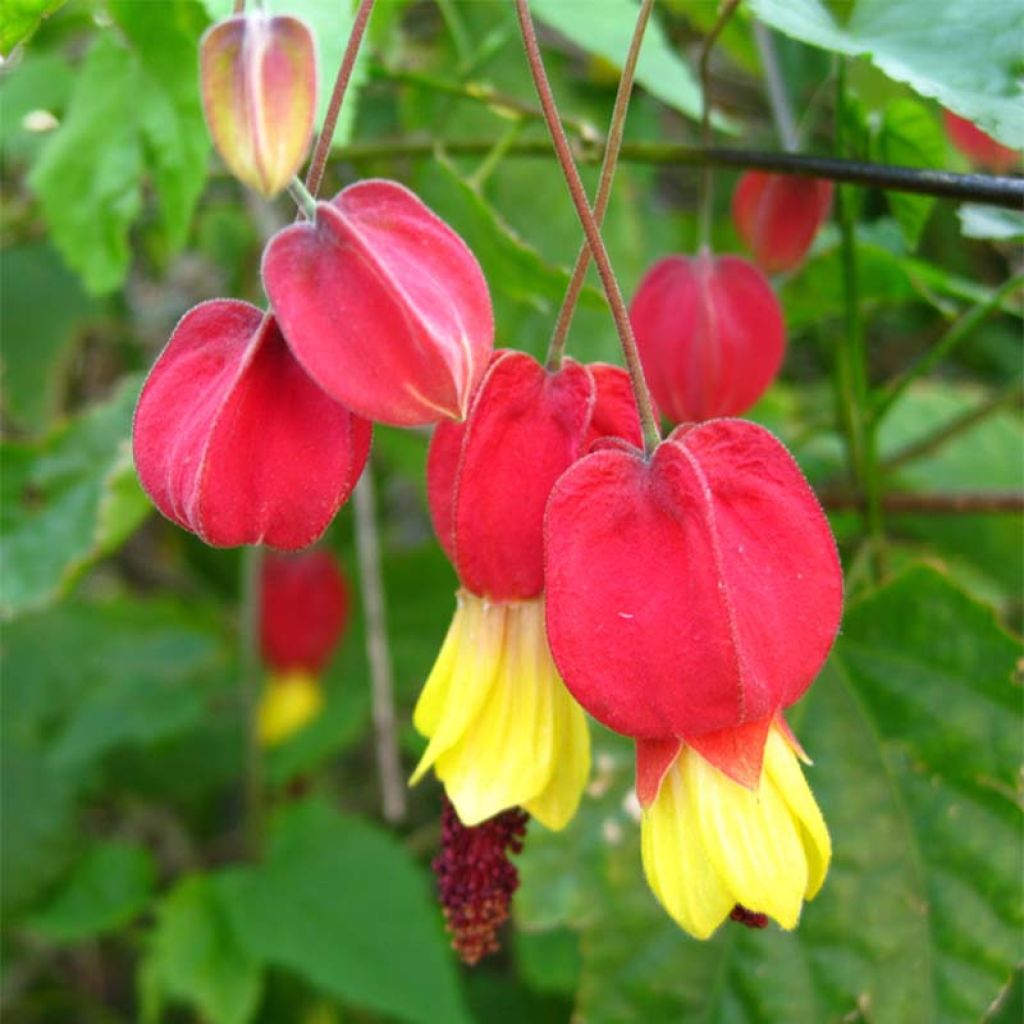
pixel 475 878
pixel 751 918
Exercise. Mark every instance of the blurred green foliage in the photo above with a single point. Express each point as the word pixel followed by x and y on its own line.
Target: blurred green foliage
pixel 130 889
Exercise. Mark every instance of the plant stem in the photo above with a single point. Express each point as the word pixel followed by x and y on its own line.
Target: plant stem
pixel 914 503
pixel 250 586
pixel 778 97
pixel 304 199
pixel 556 349
pixel 371 586
pixel 956 333
pixel 988 189
pixel 315 174
pixel 707 182
pixel 457 30
pixel 238 7
pixel 851 364
pixel 593 233
pixel 487 166
pixel 954 427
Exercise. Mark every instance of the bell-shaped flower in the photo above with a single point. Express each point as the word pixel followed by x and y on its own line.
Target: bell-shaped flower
pixel 258 80
pixel 234 442
pixel 978 146
pixel 383 304
pixel 710 333
pixel 691 596
pixel 778 216
pixel 303 610
pixel 503 732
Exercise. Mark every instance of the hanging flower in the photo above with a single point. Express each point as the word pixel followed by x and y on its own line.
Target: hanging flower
pixel 303 611
pixel 383 304
pixel 710 334
pixel 502 730
pixel 234 442
pixel 691 597
pixel 778 216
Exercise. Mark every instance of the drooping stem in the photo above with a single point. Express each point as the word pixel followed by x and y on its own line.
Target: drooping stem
pixel 238 7
pixel 707 181
pixel 778 97
pixel 250 587
pixel 604 188
pixel 956 333
pixel 378 654
pixel 851 363
pixel 590 228
pixel 315 174
pixel 304 199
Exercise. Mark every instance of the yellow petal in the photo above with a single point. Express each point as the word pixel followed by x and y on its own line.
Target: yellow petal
pixel 676 863
pixel 289 702
pixel 782 766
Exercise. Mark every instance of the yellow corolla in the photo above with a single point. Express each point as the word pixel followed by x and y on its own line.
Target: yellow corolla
pixel 290 701
pixel 710 844
pixel 503 731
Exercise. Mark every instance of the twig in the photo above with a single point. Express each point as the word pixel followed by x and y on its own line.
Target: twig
pixel 315 174
pixel 987 189
pixel 371 585
pixel 249 664
pixel 958 425
pixel 593 233
pixel 604 188
pixel 964 503
pixel 778 97
pixel 707 182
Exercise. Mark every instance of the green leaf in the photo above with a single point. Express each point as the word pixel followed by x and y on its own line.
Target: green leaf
pixel 342 904
pixel 963 53
pixel 915 730
pixel 44 310
pixel 977 221
pixel 910 136
pixel 196 956
pixel 605 28
pixel 67 501
pixel 20 18
pixel 109 887
pixel 135 110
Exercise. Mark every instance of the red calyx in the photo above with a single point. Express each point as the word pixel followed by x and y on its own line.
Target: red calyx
pixel 303 609
pixel 234 442
pixel 488 479
pixel 979 147
pixel 383 304
pixel 710 333
pixel 696 591
pixel 475 878
pixel 778 215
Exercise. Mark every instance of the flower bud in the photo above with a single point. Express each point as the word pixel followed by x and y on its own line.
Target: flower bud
pixel 778 215
pixel 710 334
pixel 979 147
pixel 383 304
pixel 234 442
pixel 303 609
pixel 258 78
pixel 692 592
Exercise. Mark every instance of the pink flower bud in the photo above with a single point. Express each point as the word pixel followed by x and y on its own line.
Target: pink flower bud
pixel 979 147
pixel 710 334
pixel 778 215
pixel 234 442
pixel 383 304
pixel 303 609
pixel 258 77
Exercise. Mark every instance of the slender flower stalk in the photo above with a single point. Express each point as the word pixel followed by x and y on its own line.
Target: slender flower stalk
pixel 593 233
pixel 249 660
pixel 707 185
pixel 613 145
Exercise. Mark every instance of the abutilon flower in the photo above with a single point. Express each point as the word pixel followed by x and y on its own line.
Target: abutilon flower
pixel 691 597
pixel 778 216
pixel 234 442
pixel 303 610
pixel 383 304
pixel 978 146
pixel 502 730
pixel 710 334
pixel 258 79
